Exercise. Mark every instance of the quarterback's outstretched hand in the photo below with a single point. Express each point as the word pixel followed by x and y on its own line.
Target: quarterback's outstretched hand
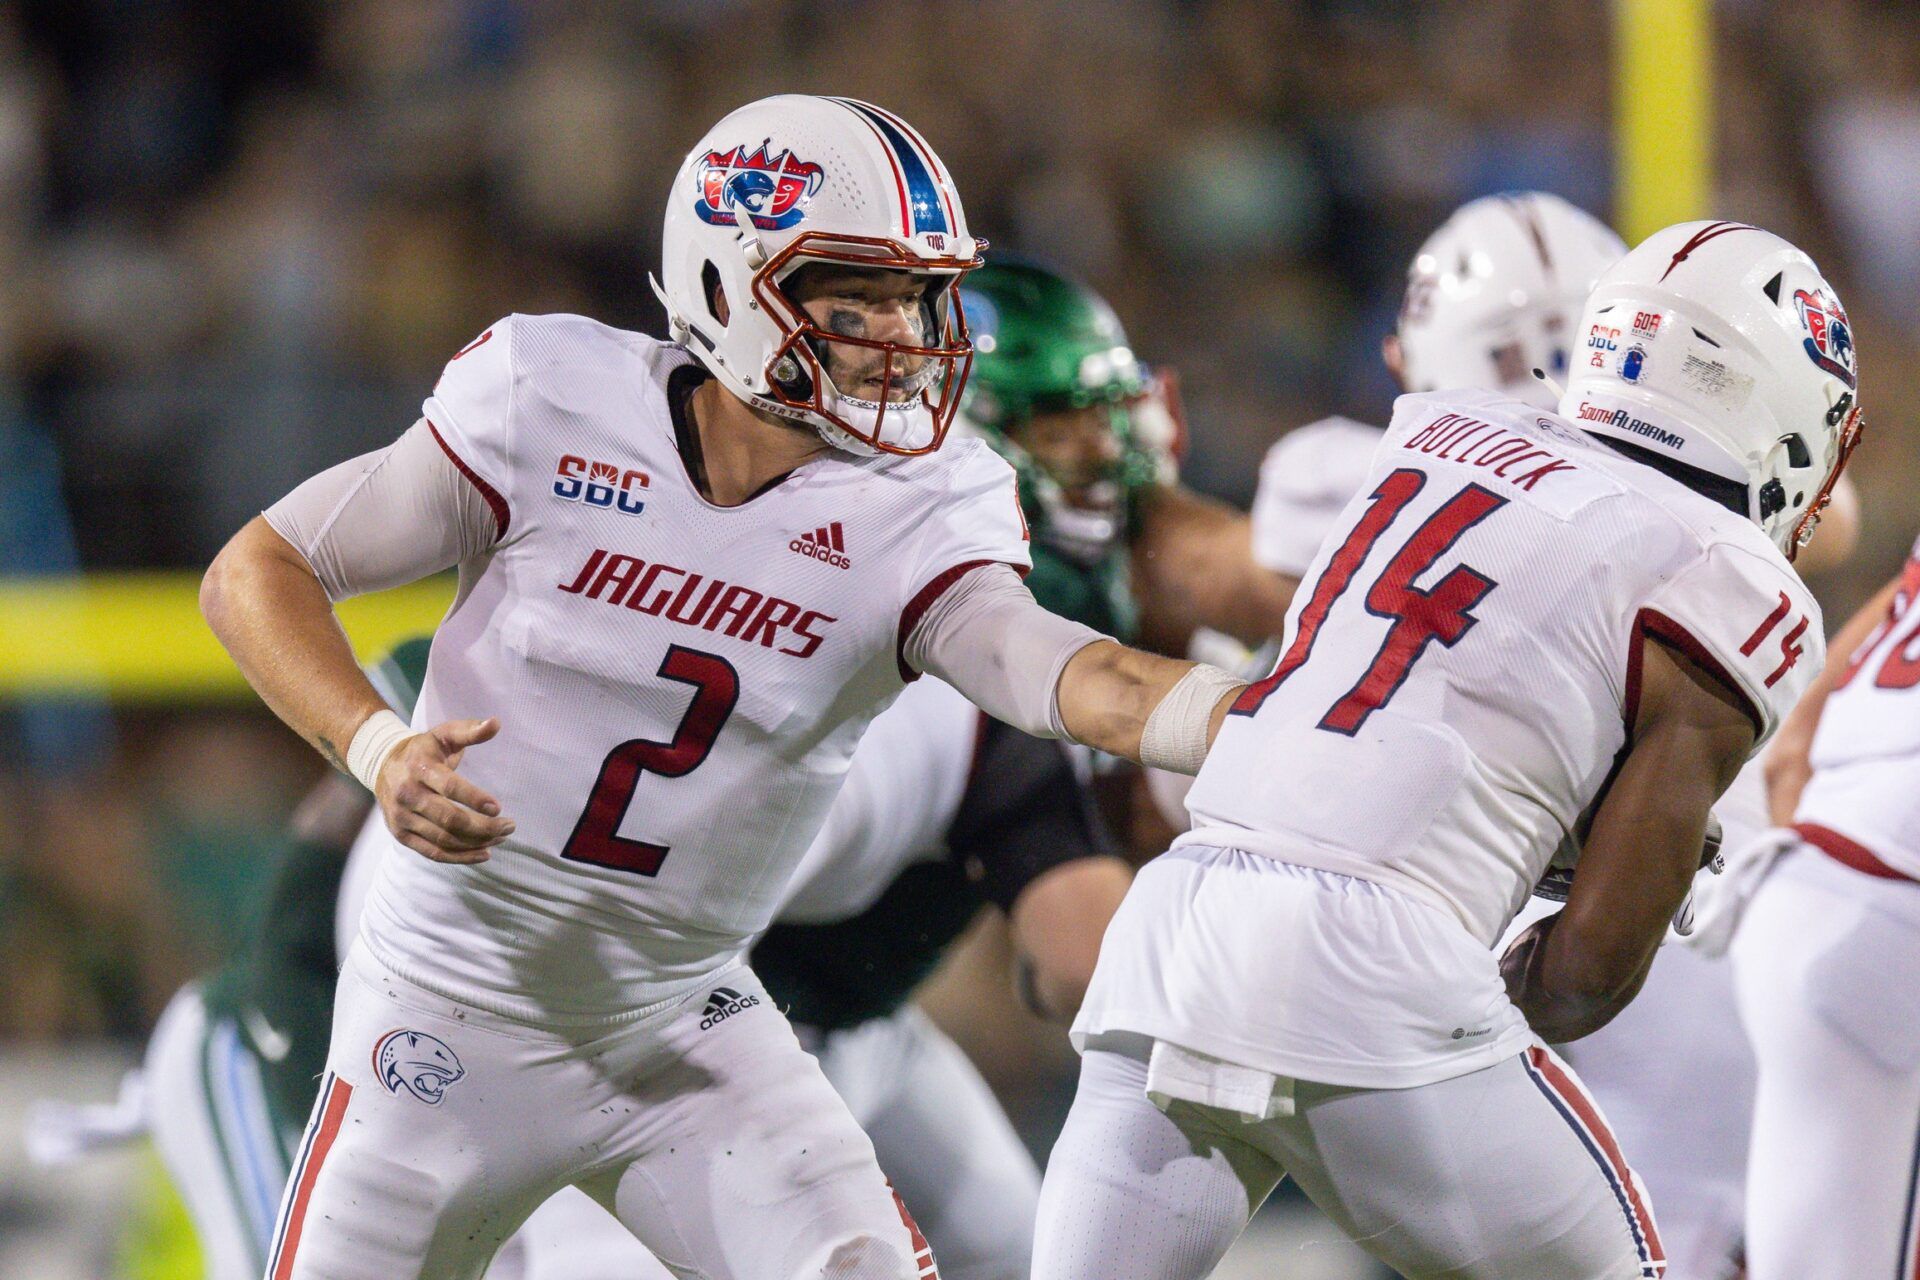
pixel 429 807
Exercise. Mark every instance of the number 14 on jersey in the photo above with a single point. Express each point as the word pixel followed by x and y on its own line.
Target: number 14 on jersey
pixel 1419 616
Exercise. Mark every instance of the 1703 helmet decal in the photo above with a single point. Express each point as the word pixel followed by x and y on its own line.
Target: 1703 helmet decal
pixel 773 190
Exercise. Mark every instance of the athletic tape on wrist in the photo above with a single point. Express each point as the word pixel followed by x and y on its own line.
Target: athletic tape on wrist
pixel 372 743
pixel 1175 735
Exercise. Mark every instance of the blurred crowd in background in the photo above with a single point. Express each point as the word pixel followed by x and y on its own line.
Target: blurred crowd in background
pixel 238 241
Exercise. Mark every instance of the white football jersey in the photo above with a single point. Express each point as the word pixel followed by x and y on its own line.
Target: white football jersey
pixel 1866 752
pixel 902 793
pixel 1306 481
pixel 680 685
pixel 1461 662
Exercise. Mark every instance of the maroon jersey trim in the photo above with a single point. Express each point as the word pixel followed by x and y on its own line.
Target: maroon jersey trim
pixel 502 515
pixel 1651 622
pixel 924 599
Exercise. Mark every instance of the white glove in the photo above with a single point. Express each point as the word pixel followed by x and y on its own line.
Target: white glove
pixel 1718 909
pixel 60 1133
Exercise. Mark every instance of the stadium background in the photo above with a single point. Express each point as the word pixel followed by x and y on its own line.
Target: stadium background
pixel 237 241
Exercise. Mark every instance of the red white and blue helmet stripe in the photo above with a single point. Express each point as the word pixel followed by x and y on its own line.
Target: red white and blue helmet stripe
pixel 924 204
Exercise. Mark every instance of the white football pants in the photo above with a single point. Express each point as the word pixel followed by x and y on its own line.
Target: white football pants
pixel 699 1123
pixel 1827 963
pixel 942 1138
pixel 1506 1173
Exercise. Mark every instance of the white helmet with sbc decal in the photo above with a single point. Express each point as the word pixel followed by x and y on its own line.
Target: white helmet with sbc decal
pixel 791 181
pixel 1495 293
pixel 1718 348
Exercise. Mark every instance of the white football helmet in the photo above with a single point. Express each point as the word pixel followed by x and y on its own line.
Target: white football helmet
pixel 1495 293
pixel 792 180
pixel 1720 347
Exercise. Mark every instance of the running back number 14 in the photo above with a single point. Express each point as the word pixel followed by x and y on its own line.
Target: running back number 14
pixel 1419 616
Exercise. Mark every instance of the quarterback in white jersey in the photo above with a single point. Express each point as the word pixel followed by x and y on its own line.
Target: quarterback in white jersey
pixel 936 796
pixel 1533 637
pixel 1827 959
pixel 690 574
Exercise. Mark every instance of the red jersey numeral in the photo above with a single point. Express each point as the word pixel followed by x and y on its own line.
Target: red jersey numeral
pixel 1790 646
pixel 1420 616
pixel 1898 635
pixel 595 839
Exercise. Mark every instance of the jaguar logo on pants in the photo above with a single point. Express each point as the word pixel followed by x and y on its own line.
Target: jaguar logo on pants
pixel 416 1062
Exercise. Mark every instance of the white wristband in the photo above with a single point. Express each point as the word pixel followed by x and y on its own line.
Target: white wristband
pixel 1175 735
pixel 372 743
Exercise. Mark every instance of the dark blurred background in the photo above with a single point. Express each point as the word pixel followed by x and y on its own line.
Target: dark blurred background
pixel 238 240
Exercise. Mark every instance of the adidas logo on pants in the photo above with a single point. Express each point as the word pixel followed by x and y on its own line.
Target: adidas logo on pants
pixel 723 1004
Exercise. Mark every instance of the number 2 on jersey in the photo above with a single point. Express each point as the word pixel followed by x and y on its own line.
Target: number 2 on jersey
pixel 596 839
pixel 1420 616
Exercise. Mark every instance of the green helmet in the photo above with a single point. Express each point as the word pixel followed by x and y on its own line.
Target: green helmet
pixel 1045 344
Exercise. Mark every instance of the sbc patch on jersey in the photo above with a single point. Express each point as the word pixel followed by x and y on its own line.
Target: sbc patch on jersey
pixel 416 1063
pixel 723 1004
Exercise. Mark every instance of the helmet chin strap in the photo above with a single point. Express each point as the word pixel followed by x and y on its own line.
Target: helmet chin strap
pixel 677 328
pixel 1559 392
pixel 756 253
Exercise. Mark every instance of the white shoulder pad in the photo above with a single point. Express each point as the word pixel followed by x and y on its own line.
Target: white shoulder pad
pixel 1306 479
pixel 1743 614
pixel 471 405
pixel 978 517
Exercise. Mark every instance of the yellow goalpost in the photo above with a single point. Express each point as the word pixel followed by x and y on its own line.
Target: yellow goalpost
pixel 1662 114
pixel 139 637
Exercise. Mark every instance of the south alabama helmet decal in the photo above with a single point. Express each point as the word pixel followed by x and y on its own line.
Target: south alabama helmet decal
pixel 416 1063
pixel 1829 338
pixel 772 190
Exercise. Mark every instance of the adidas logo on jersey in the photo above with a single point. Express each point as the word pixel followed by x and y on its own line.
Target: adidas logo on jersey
pixel 723 1004
pixel 825 543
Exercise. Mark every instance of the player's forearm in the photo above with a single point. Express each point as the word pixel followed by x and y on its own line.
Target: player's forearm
pixel 1643 850
pixel 1108 692
pixel 1787 764
pixel 1584 981
pixel 266 606
pixel 1195 568
pixel 1563 996
pixel 1638 865
pixel 1045 675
